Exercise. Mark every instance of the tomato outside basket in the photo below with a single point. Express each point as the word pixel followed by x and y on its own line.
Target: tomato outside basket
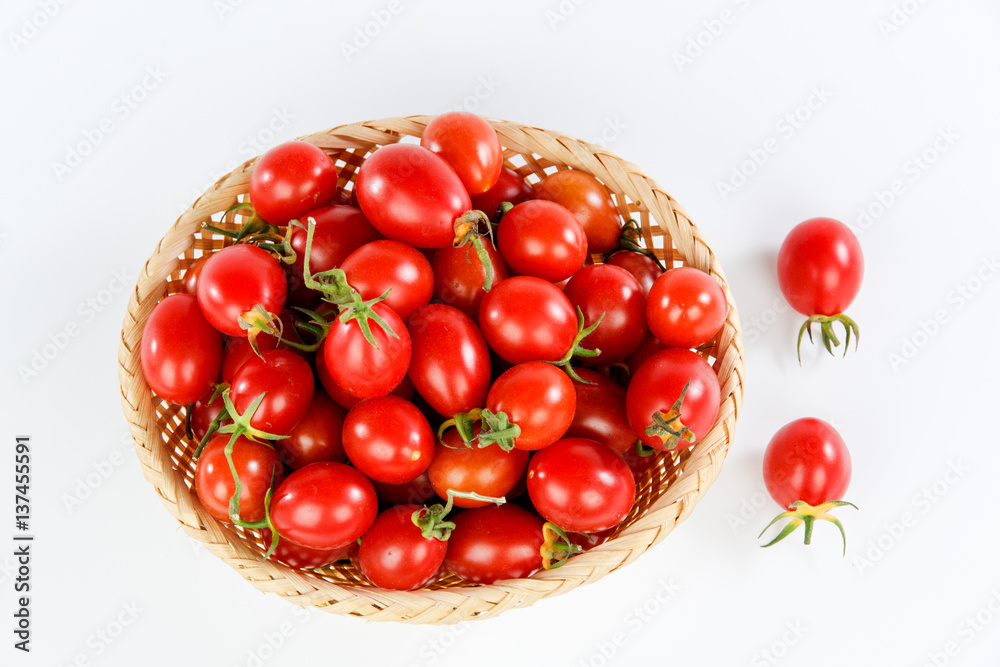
pixel 665 495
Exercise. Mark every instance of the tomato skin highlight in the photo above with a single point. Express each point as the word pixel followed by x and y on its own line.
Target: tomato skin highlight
pixel 469 145
pixel 180 352
pixel 820 267
pixel 390 265
pixel 806 460
pixel 542 239
pixel 580 485
pixel 287 380
pixel 459 276
pixel 609 291
pixel 450 362
pixel 393 553
pixel 360 368
pixel 234 280
pixel 509 188
pixel 290 180
pixel 489 471
pixel 589 202
pixel 686 307
pixel 411 195
pixel 539 398
pixel 388 439
pixel 525 318
pixel 493 543
pixel 213 481
pixel 324 505
pixel 600 412
pixel 318 436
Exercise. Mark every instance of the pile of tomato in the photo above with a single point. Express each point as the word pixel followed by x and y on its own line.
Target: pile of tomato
pixel 447 370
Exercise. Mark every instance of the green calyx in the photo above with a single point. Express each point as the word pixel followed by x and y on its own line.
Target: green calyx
pixel 577 349
pixel 556 547
pixel 257 231
pixel 496 428
pixel 631 239
pixel 470 228
pixel 667 426
pixel 829 336
pixel 431 520
pixel 800 513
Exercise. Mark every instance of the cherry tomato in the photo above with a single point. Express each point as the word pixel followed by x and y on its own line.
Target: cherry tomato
pixel 395 555
pixel 509 188
pixel 488 471
pixel 820 267
pixel 806 460
pixel 588 541
pixel 324 505
pixel 255 463
pixel 642 268
pixel 470 145
pixel 189 283
pixel 657 385
pixel 493 543
pixel 285 379
pixel 317 436
pixel 611 291
pixel 450 363
pixel 411 195
pixel 290 180
pixel 418 490
pixel 542 239
pixel 340 230
pixel 295 555
pixel 589 202
pixel 203 413
pixel 649 346
pixel 236 279
pixel 459 276
pixel 686 307
pixel 238 351
pixel 390 265
pixel 181 354
pixel 524 318
pixel 600 412
pixel 539 398
pixel 360 368
pixel 580 485
pixel 340 395
pixel 388 439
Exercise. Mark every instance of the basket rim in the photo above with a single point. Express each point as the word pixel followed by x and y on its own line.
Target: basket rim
pixel 697 472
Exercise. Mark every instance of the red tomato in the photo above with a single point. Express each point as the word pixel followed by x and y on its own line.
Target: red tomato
pixel 806 460
pixel 203 413
pixel 539 398
pixel 362 369
pixel 493 543
pixel 602 289
pixel 686 307
pixel 388 439
pixel 588 541
pixel 324 505
pixel 459 276
pixel 600 412
pixel 470 145
pixel 238 351
pixel 295 555
pixel 450 363
pixel 255 464
pixel 340 230
pixel 390 265
pixel 542 239
pixel 589 202
pixel 181 353
pixel 820 267
pixel 418 490
pixel 411 195
pixel 340 395
pixel 189 283
pixel 317 437
pixel 290 180
pixel 642 268
pixel 657 385
pixel 395 555
pixel 236 279
pixel 580 485
pixel 509 188
pixel 488 471
pixel 649 346
pixel 527 319
pixel 287 382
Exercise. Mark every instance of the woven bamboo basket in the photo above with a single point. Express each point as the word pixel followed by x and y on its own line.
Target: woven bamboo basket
pixel 666 495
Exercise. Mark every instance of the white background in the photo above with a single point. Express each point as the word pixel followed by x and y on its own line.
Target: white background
pixel 907 92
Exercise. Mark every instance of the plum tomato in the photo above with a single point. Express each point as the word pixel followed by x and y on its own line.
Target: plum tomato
pixel 340 395
pixel 390 265
pixel 180 352
pixel 488 471
pixel 509 188
pixel 388 439
pixel 360 368
pixel 539 398
pixel 290 180
pixel 470 145
pixel 295 555
pixel 524 318
pixel 493 543
pixel 651 401
pixel 411 195
pixel 580 485
pixel 324 505
pixel 317 436
pixel 255 463
pixel 642 268
pixel 395 555
pixel 459 276
pixel 450 362
pixel 600 412
pixel 234 280
pixel 686 307
pixel 541 239
pixel 589 201
pixel 602 290
pixel 285 379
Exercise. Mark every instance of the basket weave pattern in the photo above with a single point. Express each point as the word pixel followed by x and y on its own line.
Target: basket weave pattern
pixel 666 495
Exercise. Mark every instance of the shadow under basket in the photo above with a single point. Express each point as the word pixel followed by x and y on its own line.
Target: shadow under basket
pixel 666 493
